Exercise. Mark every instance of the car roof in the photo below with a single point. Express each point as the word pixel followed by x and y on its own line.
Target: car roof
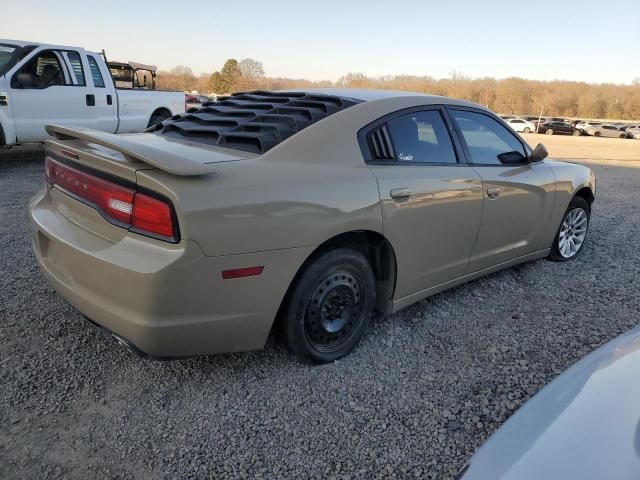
pixel 372 94
pixel 24 43
pixel 19 43
pixel 259 120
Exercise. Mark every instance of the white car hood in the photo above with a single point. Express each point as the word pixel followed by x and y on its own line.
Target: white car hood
pixel 584 425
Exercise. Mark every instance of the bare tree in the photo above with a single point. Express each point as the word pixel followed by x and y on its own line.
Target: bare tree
pixel 252 72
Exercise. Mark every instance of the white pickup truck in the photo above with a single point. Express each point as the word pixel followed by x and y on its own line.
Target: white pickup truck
pixel 51 84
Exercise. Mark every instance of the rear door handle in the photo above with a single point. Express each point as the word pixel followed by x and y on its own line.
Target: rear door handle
pixel 493 192
pixel 91 100
pixel 400 193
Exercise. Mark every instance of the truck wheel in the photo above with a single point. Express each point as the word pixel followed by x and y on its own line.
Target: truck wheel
pixel 158 117
pixel 329 306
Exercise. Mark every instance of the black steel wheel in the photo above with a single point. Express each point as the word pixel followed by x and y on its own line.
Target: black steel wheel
pixel 330 305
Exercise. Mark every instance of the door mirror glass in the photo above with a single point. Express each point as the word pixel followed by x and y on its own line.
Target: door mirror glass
pixel 539 153
pixel 512 158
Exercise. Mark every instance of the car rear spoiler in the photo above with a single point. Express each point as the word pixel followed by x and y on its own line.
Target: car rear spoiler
pixel 137 148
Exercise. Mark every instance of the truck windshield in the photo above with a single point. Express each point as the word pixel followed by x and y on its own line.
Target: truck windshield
pixel 9 55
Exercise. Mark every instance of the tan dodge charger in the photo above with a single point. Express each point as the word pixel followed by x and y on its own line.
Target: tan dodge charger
pixel 306 209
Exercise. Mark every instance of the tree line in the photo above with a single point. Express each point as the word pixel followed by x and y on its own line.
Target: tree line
pixel 506 96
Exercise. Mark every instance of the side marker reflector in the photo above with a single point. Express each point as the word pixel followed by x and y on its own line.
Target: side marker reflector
pixel 242 272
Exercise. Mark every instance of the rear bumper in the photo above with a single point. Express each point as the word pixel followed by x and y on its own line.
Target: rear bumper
pixel 164 300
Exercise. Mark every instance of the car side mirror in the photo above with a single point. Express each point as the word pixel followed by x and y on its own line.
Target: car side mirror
pixel 512 158
pixel 539 153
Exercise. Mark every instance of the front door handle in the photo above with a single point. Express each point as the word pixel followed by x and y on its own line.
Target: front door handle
pixel 493 192
pixel 109 100
pixel 400 193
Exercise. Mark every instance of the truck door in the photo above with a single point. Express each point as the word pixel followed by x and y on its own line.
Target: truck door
pixel 102 88
pixel 49 87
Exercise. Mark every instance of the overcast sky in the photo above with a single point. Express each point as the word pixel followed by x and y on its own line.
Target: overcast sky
pixel 584 40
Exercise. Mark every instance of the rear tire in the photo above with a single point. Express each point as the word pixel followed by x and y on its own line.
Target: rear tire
pixel 527 130
pixel 158 117
pixel 596 134
pixel 549 131
pixel 572 233
pixel 330 306
pixel 576 133
pixel 623 136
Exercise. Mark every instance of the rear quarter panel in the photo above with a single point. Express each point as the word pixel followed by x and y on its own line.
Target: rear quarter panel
pixel 255 205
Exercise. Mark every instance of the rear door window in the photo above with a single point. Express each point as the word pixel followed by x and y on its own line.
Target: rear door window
pixel 421 137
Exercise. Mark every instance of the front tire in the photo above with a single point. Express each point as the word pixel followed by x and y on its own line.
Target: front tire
pixel 576 133
pixel 330 306
pixel 572 233
pixel 596 134
pixel 527 130
pixel 549 131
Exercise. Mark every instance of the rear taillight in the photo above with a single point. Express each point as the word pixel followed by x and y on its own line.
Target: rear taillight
pixel 152 215
pixel 120 205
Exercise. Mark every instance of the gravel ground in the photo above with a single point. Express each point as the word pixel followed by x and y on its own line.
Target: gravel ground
pixel 424 389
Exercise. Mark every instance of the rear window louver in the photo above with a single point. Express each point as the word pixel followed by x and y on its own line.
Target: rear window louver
pixel 380 144
pixel 252 121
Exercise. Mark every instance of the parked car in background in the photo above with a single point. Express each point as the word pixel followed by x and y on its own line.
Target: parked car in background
pixel 539 121
pixel 194 100
pixel 557 128
pixel 584 425
pixel 521 125
pixel 314 207
pixel 634 133
pixel 611 131
pixel 42 84
pixel 582 126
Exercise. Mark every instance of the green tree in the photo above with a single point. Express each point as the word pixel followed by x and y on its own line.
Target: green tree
pixel 227 80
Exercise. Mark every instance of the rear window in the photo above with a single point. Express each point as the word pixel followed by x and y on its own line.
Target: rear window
pixel 252 121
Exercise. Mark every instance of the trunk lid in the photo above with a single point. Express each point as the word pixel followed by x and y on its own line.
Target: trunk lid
pixel 141 151
pixel 77 156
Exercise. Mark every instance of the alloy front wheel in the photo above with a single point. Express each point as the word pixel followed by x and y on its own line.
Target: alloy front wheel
pixel 573 231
